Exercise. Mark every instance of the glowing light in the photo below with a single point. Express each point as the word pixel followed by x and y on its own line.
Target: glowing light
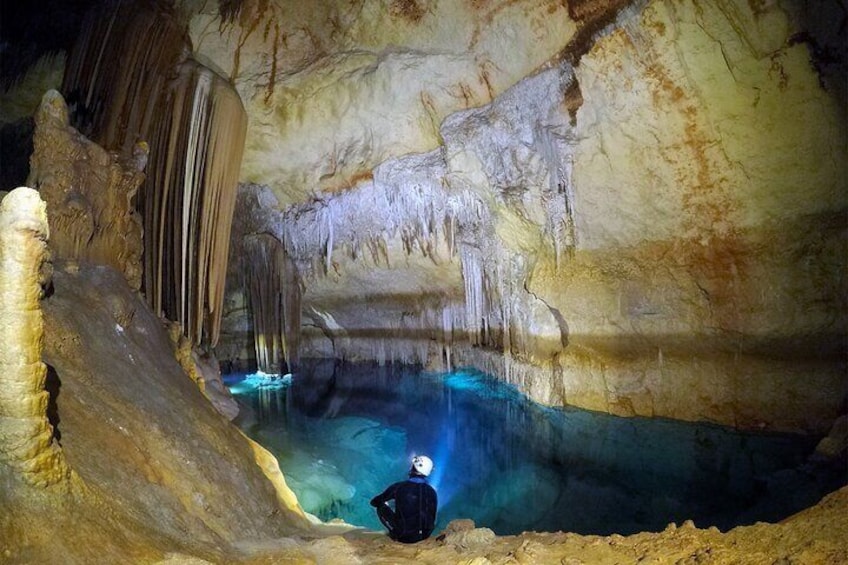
pixel 441 461
pixel 480 384
pixel 258 381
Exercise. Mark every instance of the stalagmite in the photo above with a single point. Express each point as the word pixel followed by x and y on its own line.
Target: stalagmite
pixel 26 436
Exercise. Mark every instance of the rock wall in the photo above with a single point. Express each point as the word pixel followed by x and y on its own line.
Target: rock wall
pixel 710 203
pixel 652 223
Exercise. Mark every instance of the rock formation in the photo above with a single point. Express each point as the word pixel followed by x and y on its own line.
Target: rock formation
pixel 164 470
pixel 649 223
pixel 204 370
pixel 90 193
pixel 635 207
pixel 26 435
pixel 194 124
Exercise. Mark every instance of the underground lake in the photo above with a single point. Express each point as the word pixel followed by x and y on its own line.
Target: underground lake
pixel 343 432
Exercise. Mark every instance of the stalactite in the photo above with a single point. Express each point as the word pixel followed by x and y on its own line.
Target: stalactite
pixel 447 335
pixel 263 291
pixel 422 213
pixel 505 292
pixel 408 200
pixel 472 276
pixel 558 197
pixel 290 313
pixel 195 125
pixel 274 296
pixel 122 60
pixel 524 147
pixel 189 198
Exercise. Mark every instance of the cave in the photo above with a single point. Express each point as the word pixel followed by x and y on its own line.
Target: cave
pixel 619 228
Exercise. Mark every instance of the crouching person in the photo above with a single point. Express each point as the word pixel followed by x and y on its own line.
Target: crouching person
pixel 414 515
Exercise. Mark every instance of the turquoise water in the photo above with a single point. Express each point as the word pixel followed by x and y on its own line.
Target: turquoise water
pixel 344 433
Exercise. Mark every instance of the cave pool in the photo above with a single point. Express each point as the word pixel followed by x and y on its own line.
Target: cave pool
pixel 343 432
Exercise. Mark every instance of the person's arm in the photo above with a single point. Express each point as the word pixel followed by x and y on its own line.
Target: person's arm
pixel 385 496
pixel 430 519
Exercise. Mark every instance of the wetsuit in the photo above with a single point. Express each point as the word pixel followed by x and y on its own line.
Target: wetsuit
pixel 414 516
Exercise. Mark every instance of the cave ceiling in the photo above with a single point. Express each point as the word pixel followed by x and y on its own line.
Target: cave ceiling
pixel 335 88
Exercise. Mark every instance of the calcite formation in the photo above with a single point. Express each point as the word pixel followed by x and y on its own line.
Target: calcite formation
pixel 26 436
pixel 275 301
pixel 155 94
pixel 710 213
pixel 333 89
pixel 650 223
pixel 89 193
pixel 636 207
pixel 163 471
pixel 204 370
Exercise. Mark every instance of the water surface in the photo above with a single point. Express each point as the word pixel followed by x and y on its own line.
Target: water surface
pixel 344 433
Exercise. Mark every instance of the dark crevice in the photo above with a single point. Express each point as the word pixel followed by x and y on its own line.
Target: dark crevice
pixel 52 384
pixel 31 30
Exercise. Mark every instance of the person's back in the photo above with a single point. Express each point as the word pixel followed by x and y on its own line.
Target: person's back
pixel 414 515
pixel 415 507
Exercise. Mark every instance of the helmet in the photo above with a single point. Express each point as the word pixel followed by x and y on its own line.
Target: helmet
pixel 422 465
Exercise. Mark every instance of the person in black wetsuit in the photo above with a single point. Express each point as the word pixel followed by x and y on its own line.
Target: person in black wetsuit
pixel 414 515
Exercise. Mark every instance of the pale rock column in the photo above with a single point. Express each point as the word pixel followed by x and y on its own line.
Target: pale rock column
pixel 26 436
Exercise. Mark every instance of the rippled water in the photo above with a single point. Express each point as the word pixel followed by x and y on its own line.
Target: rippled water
pixel 343 433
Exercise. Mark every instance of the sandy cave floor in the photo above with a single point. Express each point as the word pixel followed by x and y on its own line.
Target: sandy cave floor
pixel 818 535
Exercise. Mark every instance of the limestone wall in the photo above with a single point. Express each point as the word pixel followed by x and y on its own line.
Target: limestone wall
pixel 710 197
pixel 652 222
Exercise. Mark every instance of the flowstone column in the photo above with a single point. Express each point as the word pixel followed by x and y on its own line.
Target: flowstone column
pixel 26 436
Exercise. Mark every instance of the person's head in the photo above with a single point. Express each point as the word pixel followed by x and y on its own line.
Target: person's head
pixel 421 466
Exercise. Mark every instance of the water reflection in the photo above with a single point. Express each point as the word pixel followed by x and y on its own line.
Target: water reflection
pixel 343 434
